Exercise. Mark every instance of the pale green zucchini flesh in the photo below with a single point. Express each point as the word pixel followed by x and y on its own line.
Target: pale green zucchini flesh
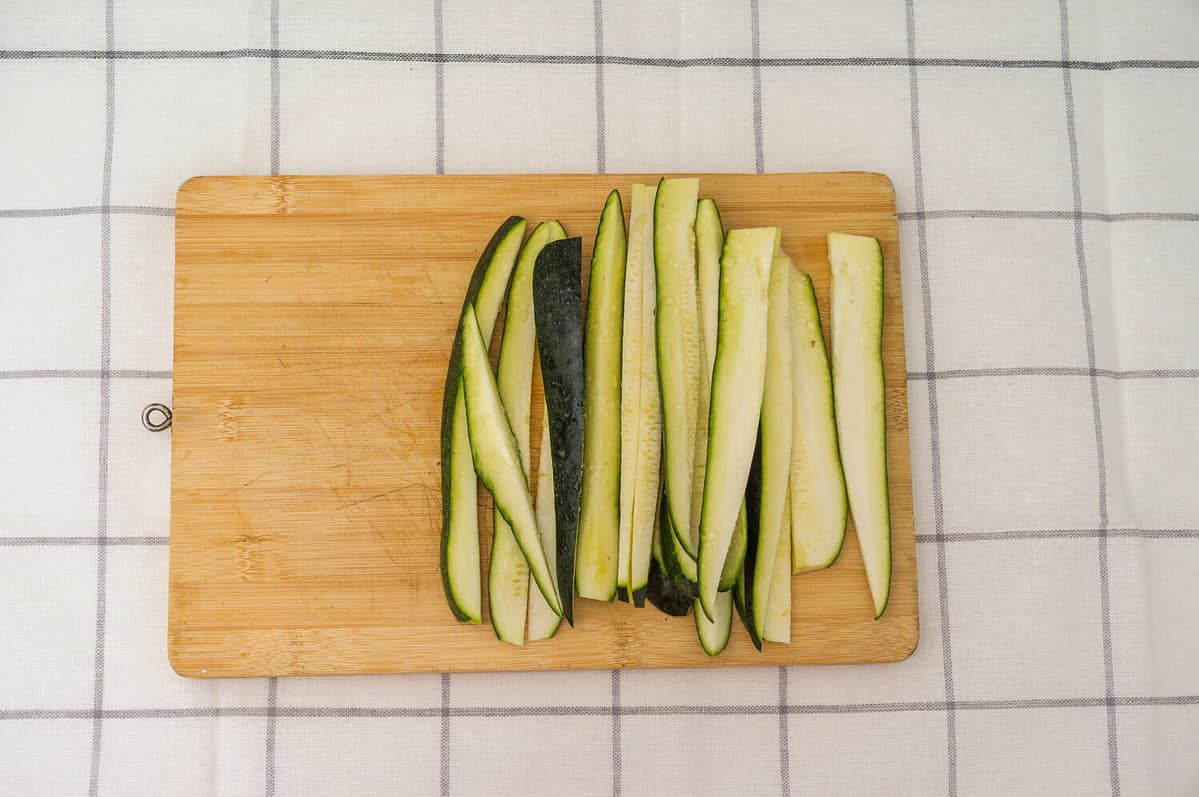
pixel 508 574
pixel 709 243
pixel 818 501
pixel 736 556
pixel 714 634
pixel 497 457
pixel 640 404
pixel 461 566
pixel 860 401
pixel 738 381
pixel 597 555
pixel 777 622
pixel 775 434
pixel 680 348
pixel 543 623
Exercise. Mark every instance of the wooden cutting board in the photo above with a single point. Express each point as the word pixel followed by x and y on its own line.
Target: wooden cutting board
pixel 313 321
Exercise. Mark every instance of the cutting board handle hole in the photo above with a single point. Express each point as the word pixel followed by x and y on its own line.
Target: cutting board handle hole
pixel 156 417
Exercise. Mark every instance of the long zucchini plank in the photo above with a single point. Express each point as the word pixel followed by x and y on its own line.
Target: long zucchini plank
pixel 599 514
pixel 858 393
pixel 775 434
pixel 709 243
pixel 738 381
pixel 818 501
pixel 507 574
pixel 558 304
pixel 640 405
pixel 543 623
pixel 743 592
pixel 496 458
pixel 461 570
pixel 778 613
pixel 680 350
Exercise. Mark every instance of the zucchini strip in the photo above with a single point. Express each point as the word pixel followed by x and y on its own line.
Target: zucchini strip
pixel 599 514
pixel 640 405
pixel 778 614
pixel 818 502
pixel 736 558
pixel 738 381
pixel 775 434
pixel 680 349
pixel 709 242
pixel 860 399
pixel 743 592
pixel 543 623
pixel 496 457
pixel 507 574
pixel 558 303
pixel 461 565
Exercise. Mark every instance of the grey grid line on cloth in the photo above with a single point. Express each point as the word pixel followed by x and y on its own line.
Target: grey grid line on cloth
pixel 501 712
pixel 931 376
pixel 613 60
pixel 933 407
pixel 272 687
pixel 1113 752
pixel 110 101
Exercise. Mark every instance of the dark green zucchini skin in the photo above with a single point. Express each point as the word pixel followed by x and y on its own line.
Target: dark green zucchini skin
pixel 665 594
pixel 452 380
pixel 558 315
pixel 670 562
pixel 743 592
pixel 639 595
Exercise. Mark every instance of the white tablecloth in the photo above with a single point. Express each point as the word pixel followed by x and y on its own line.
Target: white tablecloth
pixel 1044 156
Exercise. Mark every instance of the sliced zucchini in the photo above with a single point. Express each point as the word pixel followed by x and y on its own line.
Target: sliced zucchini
pixel 680 348
pixel 497 458
pixel 778 614
pixel 557 288
pixel 743 592
pixel 737 386
pixel 736 558
pixel 676 562
pixel 665 595
pixel 818 501
pixel 599 514
pixel 640 404
pixel 860 400
pixel 662 591
pixel 461 567
pixel 543 623
pixel 507 574
pixel 709 242
pixel 775 434
pixel 714 634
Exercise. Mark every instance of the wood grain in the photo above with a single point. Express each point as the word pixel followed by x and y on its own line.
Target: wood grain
pixel 313 320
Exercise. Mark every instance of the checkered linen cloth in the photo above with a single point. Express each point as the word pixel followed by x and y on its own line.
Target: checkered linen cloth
pixel 1044 157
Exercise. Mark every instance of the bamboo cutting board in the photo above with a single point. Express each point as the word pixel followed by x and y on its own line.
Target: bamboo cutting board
pixel 313 321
